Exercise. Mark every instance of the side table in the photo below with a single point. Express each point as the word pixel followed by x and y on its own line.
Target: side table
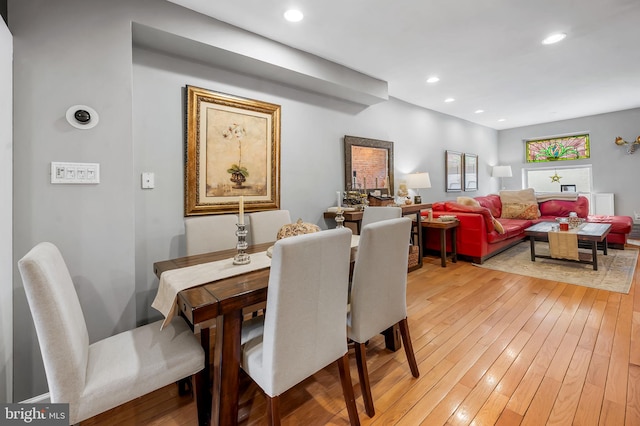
pixel 443 226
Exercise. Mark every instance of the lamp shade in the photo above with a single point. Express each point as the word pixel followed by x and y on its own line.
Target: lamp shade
pixel 418 180
pixel 501 171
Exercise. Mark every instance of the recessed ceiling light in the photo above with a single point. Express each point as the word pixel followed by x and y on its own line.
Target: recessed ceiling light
pixel 293 15
pixel 479 111
pixel 433 79
pixel 554 38
pixel 449 100
pixel 502 119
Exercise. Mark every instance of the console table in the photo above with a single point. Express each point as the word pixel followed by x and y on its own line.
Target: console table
pixel 355 216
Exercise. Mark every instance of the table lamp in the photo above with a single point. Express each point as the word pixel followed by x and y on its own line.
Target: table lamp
pixel 501 172
pixel 417 181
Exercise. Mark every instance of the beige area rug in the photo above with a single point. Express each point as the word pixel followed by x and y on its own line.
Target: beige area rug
pixel 615 271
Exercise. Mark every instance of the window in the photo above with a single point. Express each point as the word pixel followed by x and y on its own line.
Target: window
pixel 553 179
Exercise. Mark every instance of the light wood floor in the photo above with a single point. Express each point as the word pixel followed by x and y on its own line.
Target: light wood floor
pixel 492 347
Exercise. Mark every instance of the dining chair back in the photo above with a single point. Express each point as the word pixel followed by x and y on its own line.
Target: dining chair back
pixel 264 226
pixel 210 233
pixel 378 213
pixel 303 329
pixel 93 378
pixel 379 292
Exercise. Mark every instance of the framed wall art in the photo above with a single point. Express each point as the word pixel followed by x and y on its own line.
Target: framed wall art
pixel 453 171
pixel 233 150
pixel 572 147
pixel 470 172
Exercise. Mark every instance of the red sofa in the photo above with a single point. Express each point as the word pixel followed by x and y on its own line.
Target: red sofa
pixel 477 237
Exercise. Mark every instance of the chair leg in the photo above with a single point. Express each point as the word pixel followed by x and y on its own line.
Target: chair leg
pixel 408 347
pixel 273 409
pixel 347 390
pixel 363 375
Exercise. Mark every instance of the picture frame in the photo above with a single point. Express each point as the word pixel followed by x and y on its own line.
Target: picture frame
pixel 470 172
pixel 557 148
pixel 232 150
pixel 568 188
pixel 453 171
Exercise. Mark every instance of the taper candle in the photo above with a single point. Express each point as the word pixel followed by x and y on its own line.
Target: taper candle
pixel 241 213
pixel 338 199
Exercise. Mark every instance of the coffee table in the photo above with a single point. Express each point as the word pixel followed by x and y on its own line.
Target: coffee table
pixel 589 234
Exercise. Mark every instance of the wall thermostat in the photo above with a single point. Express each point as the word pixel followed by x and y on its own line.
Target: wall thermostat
pixel 82 117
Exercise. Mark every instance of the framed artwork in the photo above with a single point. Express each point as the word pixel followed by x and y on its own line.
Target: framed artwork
pixel 470 172
pixel 453 171
pixel 568 188
pixel 233 150
pixel 573 147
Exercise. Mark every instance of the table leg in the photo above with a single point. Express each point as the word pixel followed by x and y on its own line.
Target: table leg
pixel 454 244
pixel 392 338
pixel 533 248
pixel 594 254
pixel 227 378
pixel 443 247
pixel 203 382
pixel 604 246
pixel 419 226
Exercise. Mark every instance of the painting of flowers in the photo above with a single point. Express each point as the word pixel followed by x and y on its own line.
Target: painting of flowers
pixel 574 147
pixel 233 150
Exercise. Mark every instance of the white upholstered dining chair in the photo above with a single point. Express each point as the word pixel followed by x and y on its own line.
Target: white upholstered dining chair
pixel 210 233
pixel 376 213
pixel 264 226
pixel 303 329
pixel 96 377
pixel 379 293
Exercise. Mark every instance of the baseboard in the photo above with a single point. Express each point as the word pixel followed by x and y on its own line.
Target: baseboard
pixel 40 399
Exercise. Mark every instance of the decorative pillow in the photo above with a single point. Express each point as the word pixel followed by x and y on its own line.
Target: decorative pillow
pixel 468 201
pixel 472 202
pixel 452 206
pixel 298 228
pixel 521 204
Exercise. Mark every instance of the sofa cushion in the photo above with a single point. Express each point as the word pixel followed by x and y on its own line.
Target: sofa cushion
pixel 453 207
pixel 512 228
pixel 562 208
pixel 468 201
pixel 521 204
pixel 492 202
pixel 619 224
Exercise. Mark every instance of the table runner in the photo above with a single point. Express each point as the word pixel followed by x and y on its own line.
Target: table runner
pixel 174 281
pixel 563 245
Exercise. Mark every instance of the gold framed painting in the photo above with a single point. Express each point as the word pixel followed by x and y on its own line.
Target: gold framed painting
pixel 233 150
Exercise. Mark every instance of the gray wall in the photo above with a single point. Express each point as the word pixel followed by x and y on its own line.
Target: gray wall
pixel 76 52
pixel 6 210
pixel 614 170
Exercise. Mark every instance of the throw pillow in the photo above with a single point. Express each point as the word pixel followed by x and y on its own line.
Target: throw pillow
pixel 468 201
pixel 298 228
pixel 520 204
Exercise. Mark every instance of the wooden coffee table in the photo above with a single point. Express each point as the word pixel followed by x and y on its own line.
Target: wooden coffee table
pixel 589 234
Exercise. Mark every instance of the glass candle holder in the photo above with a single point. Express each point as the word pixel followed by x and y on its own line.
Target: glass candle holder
pixel 242 258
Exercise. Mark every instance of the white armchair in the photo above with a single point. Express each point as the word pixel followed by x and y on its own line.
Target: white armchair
pixel 94 378
pixel 376 214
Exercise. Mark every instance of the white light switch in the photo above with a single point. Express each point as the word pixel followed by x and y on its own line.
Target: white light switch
pixel 148 180
pixel 82 173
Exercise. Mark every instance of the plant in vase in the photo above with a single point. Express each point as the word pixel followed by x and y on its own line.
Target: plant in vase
pixel 238 173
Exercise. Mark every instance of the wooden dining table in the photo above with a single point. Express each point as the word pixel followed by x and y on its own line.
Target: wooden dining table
pixel 221 302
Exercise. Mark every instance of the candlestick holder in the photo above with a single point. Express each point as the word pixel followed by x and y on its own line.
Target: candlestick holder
pixel 339 219
pixel 241 258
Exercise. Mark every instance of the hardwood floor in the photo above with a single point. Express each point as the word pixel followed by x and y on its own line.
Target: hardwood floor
pixel 493 349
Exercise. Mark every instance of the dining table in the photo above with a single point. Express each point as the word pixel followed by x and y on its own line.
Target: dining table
pixel 221 302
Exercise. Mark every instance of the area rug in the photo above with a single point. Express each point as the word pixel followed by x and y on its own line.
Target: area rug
pixel 615 271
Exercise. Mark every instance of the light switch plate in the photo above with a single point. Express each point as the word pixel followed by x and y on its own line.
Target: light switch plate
pixel 75 173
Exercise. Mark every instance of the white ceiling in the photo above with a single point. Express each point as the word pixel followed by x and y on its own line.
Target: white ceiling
pixel 488 54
